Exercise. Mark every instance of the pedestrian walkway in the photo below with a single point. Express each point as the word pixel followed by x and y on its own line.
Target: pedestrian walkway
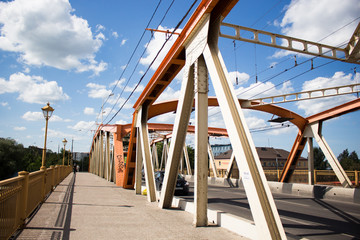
pixel 85 206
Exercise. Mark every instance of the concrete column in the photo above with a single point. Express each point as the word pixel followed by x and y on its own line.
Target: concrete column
pixel 201 143
pixel 183 112
pixel 310 148
pixel 143 138
pixel 139 164
pixel 212 160
pixel 262 205
pixel 187 161
pixel 330 156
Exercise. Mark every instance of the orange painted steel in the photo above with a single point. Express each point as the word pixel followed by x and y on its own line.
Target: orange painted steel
pixel 173 62
pixel 170 106
pixel 300 140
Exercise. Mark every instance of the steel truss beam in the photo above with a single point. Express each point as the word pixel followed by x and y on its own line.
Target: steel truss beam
pixel 266 217
pixel 305 95
pixel 315 130
pixel 144 144
pixel 349 54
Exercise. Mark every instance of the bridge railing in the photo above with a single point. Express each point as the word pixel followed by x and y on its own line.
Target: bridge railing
pixel 20 196
pixel 325 177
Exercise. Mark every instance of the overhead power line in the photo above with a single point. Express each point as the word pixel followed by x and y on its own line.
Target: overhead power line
pixel 157 54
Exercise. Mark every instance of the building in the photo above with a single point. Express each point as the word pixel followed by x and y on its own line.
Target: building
pixel 217 149
pixel 270 158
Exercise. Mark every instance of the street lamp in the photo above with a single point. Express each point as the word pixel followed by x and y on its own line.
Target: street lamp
pixel 47 111
pixel 64 142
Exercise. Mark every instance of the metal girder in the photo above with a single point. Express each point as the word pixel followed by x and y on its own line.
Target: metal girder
pixel 353 48
pixel 230 166
pixel 310 148
pixel 305 95
pixel 263 208
pixel 293 44
pixel 155 156
pixel 212 160
pixel 143 139
pixel 178 138
pixel 139 165
pixel 300 140
pixel 187 161
pixel 314 130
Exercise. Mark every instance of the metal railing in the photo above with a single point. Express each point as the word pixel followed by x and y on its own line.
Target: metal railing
pixel 20 196
pixel 324 177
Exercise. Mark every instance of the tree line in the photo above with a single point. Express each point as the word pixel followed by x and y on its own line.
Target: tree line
pixel 14 157
pixel 349 161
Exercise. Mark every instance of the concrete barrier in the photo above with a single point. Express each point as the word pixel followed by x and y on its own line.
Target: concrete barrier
pixel 312 191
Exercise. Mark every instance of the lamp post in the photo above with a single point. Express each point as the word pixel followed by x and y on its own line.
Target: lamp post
pixel 47 111
pixel 64 142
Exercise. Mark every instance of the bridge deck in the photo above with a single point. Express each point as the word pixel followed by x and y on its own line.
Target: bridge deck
pixel 88 207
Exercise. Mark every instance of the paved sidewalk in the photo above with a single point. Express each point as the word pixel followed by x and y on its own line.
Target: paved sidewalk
pixel 86 206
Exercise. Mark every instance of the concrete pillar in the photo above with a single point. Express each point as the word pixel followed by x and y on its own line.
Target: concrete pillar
pixel 310 148
pixel 183 113
pixel 139 164
pixel 201 143
pixel 143 139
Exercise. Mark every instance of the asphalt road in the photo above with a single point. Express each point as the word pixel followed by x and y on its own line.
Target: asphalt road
pixel 307 218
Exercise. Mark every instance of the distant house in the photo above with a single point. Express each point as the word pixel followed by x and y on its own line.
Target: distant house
pixel 218 149
pixel 270 158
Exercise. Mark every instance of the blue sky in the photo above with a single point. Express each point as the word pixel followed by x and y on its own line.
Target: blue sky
pixel 71 53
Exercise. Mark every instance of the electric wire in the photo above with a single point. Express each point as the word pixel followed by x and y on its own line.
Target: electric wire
pixel 142 77
pixel 133 53
pixel 142 54
pixel 128 62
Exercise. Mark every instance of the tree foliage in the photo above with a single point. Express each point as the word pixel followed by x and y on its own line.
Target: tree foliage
pixel 349 161
pixel 15 158
pixel 319 159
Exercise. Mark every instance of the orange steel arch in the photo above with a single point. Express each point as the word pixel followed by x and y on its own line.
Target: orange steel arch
pixel 173 62
pixel 300 140
pixel 170 106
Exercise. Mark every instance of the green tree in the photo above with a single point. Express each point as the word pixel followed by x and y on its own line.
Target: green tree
pixel 11 154
pixel 191 152
pixel 319 159
pixel 349 161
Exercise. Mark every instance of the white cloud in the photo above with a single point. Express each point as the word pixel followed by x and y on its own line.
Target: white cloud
pixel 99 28
pixel 168 94
pixel 315 19
pixel 123 42
pixel 32 89
pixel 89 111
pixel 46 32
pixel 122 122
pixel 83 126
pixel 97 90
pixel 4 104
pixel 33 116
pixel 19 128
pixel 257 90
pixel 155 45
pixel 38 116
pixel 311 107
pixel 115 35
pixel 241 77
pixel 166 118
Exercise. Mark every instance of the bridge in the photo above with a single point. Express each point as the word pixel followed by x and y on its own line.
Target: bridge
pixel 120 152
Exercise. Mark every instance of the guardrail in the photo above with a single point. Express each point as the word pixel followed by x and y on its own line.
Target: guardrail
pixel 20 196
pixel 323 177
